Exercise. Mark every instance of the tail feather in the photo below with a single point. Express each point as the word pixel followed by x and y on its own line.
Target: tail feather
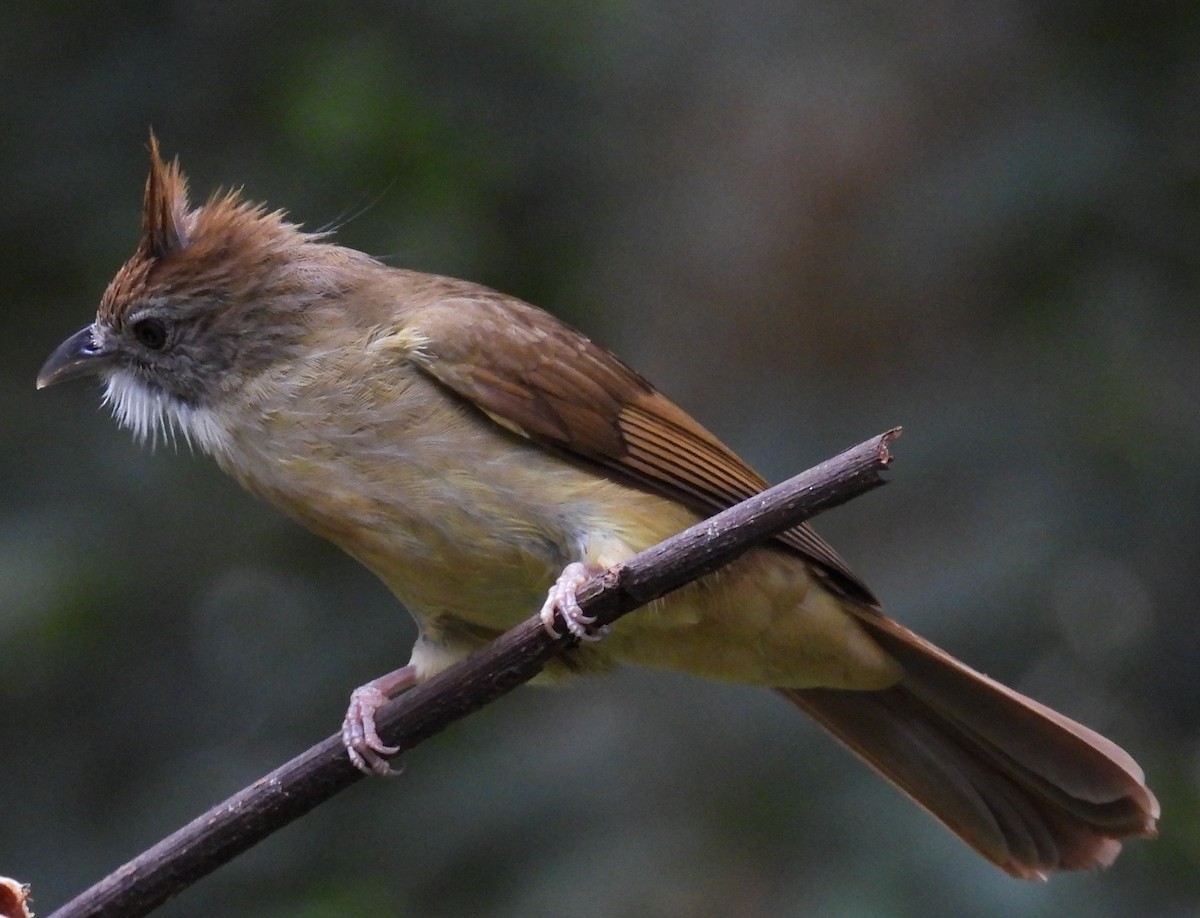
pixel 1029 789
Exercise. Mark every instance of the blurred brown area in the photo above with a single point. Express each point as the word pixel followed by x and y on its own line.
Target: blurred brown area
pixel 807 222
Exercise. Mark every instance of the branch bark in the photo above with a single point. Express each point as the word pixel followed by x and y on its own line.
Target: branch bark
pixel 514 658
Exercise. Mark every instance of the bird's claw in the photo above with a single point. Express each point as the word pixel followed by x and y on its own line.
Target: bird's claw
pixel 562 599
pixel 367 752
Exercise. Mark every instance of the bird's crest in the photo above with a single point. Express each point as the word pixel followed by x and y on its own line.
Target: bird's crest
pixel 165 206
pixel 182 249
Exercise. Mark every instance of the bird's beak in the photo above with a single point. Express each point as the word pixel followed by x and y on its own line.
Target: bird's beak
pixel 80 355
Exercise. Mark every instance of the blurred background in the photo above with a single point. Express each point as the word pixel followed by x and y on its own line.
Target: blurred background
pixel 807 222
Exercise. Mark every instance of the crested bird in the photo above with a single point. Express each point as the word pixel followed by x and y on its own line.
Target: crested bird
pixel 482 458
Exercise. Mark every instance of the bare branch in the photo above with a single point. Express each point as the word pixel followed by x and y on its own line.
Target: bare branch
pixel 516 657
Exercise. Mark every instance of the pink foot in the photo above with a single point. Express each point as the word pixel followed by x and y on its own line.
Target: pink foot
pixel 561 599
pixel 368 753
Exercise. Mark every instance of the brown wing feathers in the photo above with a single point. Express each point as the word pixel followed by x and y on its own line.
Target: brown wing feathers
pixel 579 398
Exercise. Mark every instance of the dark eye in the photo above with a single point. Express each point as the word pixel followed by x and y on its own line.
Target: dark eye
pixel 151 332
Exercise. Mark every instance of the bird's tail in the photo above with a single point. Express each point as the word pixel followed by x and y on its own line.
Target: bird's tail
pixel 1029 789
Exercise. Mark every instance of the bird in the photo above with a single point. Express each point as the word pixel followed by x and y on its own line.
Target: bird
pixel 482 459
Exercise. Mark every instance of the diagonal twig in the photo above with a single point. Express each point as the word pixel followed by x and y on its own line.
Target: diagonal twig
pixel 514 658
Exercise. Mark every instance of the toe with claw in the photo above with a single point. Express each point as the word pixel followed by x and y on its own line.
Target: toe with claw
pixel 368 753
pixel 562 599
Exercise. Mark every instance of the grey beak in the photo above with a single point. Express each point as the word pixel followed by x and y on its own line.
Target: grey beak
pixel 79 355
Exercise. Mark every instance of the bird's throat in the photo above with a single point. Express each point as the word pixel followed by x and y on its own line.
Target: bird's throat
pixel 154 415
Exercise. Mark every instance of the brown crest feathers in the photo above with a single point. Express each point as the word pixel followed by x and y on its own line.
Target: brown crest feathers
pixel 164 210
pixel 229 249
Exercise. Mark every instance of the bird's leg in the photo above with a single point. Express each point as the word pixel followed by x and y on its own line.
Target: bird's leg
pixel 369 753
pixel 366 750
pixel 561 598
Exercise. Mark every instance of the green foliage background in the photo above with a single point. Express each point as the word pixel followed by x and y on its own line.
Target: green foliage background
pixel 807 222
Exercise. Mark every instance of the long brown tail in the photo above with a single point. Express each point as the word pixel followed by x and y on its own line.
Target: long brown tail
pixel 1029 789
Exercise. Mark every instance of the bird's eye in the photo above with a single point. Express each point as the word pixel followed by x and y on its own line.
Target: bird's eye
pixel 151 332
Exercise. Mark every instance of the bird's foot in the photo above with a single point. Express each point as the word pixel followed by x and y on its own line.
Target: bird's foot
pixel 562 599
pixel 368 753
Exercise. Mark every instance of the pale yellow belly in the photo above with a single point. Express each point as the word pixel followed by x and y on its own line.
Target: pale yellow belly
pixel 469 525
pixel 762 620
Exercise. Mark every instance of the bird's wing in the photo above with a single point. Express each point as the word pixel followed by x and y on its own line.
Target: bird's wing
pixel 552 385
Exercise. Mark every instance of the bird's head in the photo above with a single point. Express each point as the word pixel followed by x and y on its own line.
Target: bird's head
pixel 211 297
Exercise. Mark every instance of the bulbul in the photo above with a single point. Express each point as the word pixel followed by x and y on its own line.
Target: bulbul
pixel 480 457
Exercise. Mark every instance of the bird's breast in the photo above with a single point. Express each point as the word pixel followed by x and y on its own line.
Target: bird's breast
pixel 457 515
